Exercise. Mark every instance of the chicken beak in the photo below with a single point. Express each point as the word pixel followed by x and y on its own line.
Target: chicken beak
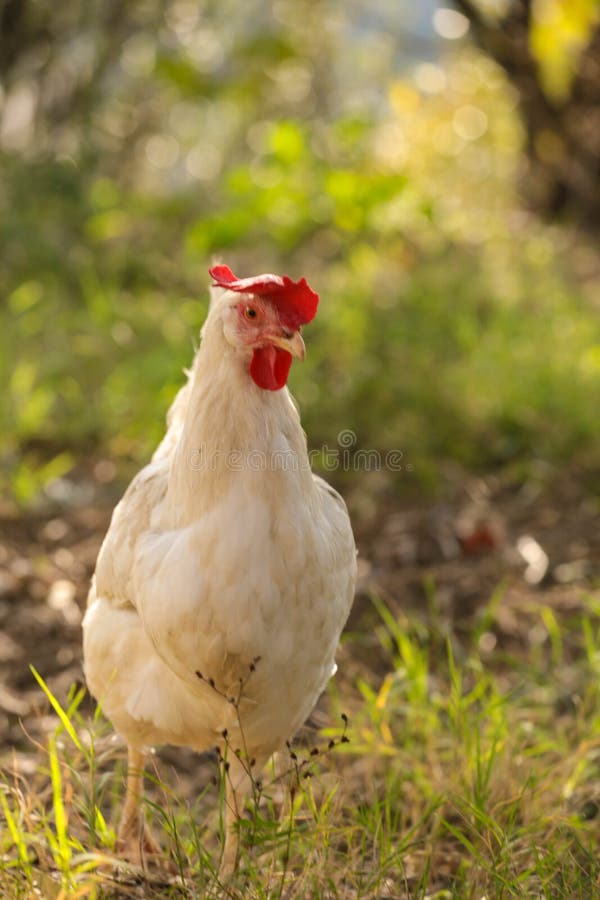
pixel 293 345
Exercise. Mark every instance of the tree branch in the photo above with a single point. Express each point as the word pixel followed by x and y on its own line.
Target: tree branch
pixel 586 84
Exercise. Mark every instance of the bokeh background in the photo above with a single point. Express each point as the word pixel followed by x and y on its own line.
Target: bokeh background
pixel 432 169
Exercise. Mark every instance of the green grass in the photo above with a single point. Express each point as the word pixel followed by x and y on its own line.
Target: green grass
pixel 471 770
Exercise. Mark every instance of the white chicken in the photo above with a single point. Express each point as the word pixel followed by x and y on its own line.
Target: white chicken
pixel 228 569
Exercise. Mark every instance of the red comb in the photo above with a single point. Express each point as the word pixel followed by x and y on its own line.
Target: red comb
pixel 296 302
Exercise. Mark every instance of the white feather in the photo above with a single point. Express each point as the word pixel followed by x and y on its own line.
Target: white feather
pixel 208 566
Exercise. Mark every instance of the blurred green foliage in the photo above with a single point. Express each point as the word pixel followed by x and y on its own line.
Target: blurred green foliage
pixel 560 31
pixel 452 326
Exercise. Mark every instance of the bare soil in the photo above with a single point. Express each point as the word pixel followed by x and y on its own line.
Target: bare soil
pixel 534 540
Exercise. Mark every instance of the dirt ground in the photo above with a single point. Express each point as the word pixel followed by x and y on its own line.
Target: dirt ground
pixel 533 539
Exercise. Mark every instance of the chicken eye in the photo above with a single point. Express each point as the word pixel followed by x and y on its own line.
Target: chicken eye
pixel 250 312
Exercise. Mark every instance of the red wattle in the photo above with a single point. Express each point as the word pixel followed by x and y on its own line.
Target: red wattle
pixel 270 367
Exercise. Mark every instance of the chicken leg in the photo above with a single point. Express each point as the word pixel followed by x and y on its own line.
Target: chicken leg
pixel 238 781
pixel 135 841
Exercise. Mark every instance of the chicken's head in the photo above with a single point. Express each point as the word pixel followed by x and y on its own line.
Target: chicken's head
pixel 262 318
